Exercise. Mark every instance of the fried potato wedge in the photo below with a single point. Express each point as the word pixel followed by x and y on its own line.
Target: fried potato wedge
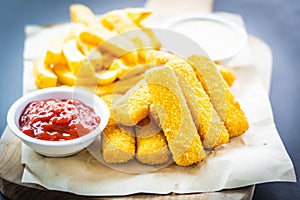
pixel 137 15
pixel 227 74
pixel 81 13
pixel 43 75
pixel 107 76
pixel 54 53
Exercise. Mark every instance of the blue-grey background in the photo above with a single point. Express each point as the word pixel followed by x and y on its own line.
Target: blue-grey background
pixel 276 22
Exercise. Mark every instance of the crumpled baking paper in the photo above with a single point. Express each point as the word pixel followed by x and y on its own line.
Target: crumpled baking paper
pixel 257 156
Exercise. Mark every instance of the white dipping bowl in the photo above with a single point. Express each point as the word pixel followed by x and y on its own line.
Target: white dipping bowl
pixel 58 148
pixel 220 38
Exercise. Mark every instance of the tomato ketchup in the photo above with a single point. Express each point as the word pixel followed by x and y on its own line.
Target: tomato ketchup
pixel 58 120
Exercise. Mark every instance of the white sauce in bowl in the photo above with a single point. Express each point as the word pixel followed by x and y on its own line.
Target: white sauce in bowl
pixel 219 38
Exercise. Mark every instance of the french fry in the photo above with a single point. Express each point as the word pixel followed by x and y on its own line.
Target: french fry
pixel 106 76
pixel 74 57
pixel 227 74
pixel 96 34
pixel 153 57
pixel 43 75
pixel 118 20
pixel 84 47
pixel 81 13
pixel 66 77
pixel 54 54
pixel 176 120
pixel 118 87
pixel 137 15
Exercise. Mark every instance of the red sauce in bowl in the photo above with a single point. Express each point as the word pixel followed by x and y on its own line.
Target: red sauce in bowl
pixel 58 120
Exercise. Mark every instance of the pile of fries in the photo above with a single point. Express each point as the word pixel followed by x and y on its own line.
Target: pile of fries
pixel 65 61
pixel 163 107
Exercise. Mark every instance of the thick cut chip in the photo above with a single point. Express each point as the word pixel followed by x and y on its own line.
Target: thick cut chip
pixel 54 53
pixel 153 57
pixel 137 15
pixel 81 13
pixel 118 20
pixel 118 87
pixel 74 57
pixel 43 75
pixel 106 76
pixel 175 117
pixel 96 34
pixel 66 77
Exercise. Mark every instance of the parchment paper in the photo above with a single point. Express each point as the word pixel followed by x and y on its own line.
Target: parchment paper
pixel 255 157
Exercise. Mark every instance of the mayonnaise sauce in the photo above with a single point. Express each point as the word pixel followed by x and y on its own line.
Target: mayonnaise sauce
pixel 214 37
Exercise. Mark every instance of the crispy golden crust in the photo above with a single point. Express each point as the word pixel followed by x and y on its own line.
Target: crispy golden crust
pixel 109 99
pixel 133 106
pixel 222 98
pixel 210 126
pixel 118 145
pixel 152 147
pixel 176 120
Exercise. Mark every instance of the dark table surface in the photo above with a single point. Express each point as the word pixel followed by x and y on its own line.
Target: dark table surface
pixel 276 22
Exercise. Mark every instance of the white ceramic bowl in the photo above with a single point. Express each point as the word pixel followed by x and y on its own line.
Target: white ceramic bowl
pixel 218 45
pixel 58 148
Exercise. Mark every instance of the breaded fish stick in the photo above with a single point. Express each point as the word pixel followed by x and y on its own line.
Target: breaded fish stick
pixel 176 120
pixel 222 98
pixel 118 144
pixel 209 124
pixel 152 147
pixel 156 57
pixel 133 106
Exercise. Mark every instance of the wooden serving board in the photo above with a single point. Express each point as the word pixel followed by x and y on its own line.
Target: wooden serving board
pixel 11 186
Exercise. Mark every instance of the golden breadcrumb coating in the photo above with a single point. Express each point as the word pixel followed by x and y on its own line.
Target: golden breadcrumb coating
pixel 133 106
pixel 222 98
pixel 152 147
pixel 210 126
pixel 175 117
pixel 118 144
